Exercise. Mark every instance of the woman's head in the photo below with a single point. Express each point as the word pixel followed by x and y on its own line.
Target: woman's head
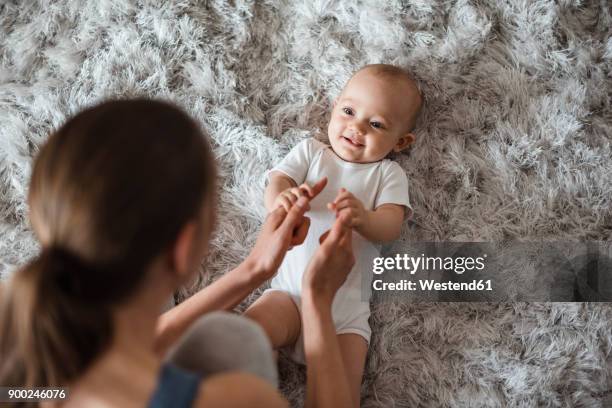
pixel 110 191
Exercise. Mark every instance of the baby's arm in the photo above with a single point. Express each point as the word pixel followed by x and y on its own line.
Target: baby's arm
pixel 382 224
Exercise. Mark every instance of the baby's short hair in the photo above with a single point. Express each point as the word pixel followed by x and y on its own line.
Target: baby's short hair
pixel 388 71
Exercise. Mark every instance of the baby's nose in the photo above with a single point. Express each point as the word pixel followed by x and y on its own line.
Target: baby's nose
pixel 357 128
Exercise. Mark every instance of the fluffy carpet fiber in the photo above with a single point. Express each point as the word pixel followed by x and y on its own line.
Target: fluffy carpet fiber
pixel 514 144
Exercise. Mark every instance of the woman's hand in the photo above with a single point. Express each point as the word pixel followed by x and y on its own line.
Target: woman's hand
pixel 331 263
pixel 281 230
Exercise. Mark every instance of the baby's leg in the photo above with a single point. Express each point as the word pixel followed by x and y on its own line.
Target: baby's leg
pixel 354 349
pixel 279 316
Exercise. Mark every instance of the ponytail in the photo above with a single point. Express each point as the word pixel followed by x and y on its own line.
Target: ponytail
pixel 51 333
pixel 110 191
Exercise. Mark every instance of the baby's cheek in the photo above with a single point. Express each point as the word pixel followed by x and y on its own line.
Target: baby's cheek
pixel 377 150
pixel 334 120
pixel 335 126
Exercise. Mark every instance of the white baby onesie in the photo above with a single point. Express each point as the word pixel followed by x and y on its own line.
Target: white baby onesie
pixel 374 184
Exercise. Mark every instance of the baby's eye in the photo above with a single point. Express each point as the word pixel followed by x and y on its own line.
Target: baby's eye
pixel 348 111
pixel 376 125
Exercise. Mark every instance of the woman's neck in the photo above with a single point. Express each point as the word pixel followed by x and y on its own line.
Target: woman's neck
pixel 135 321
pixel 127 371
pixel 134 335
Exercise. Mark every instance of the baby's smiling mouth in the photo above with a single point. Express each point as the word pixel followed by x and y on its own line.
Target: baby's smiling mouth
pixel 353 142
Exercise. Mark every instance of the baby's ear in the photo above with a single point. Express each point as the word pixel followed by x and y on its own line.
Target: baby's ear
pixel 404 141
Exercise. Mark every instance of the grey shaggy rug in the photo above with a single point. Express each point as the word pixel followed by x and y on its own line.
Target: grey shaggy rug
pixel 514 143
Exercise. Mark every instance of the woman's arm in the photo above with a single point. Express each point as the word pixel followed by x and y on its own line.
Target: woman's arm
pixel 223 294
pixel 280 231
pixel 327 383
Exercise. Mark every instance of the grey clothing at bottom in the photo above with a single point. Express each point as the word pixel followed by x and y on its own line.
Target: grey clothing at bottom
pixel 223 341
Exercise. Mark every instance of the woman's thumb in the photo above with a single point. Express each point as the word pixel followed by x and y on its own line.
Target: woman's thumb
pixel 296 214
pixel 339 229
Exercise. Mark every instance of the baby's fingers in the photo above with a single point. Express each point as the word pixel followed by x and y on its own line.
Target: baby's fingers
pixel 345 203
pixel 291 196
pixel 295 193
pixel 342 195
pixel 351 219
pixel 285 202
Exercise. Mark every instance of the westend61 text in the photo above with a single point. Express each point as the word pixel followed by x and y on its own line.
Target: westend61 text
pixel 430 284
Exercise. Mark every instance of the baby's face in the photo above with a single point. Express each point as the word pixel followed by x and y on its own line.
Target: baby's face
pixel 371 117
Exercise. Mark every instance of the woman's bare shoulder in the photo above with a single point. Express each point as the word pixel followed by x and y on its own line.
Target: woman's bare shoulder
pixel 236 389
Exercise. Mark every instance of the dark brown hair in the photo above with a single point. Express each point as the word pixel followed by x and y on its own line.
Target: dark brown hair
pixel 110 191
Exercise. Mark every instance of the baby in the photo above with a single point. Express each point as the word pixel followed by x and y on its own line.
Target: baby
pixel 374 115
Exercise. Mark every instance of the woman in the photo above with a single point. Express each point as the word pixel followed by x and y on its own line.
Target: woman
pixel 122 200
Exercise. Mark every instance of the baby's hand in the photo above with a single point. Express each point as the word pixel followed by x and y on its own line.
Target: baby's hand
pixel 288 197
pixel 347 203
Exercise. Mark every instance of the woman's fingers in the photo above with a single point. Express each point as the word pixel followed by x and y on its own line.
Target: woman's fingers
pixel 299 234
pixel 346 239
pixel 323 237
pixel 306 190
pixel 280 214
pixel 318 187
pixel 295 215
pixel 338 230
pixel 289 216
pixel 286 203
pixel 274 219
pixel 314 190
